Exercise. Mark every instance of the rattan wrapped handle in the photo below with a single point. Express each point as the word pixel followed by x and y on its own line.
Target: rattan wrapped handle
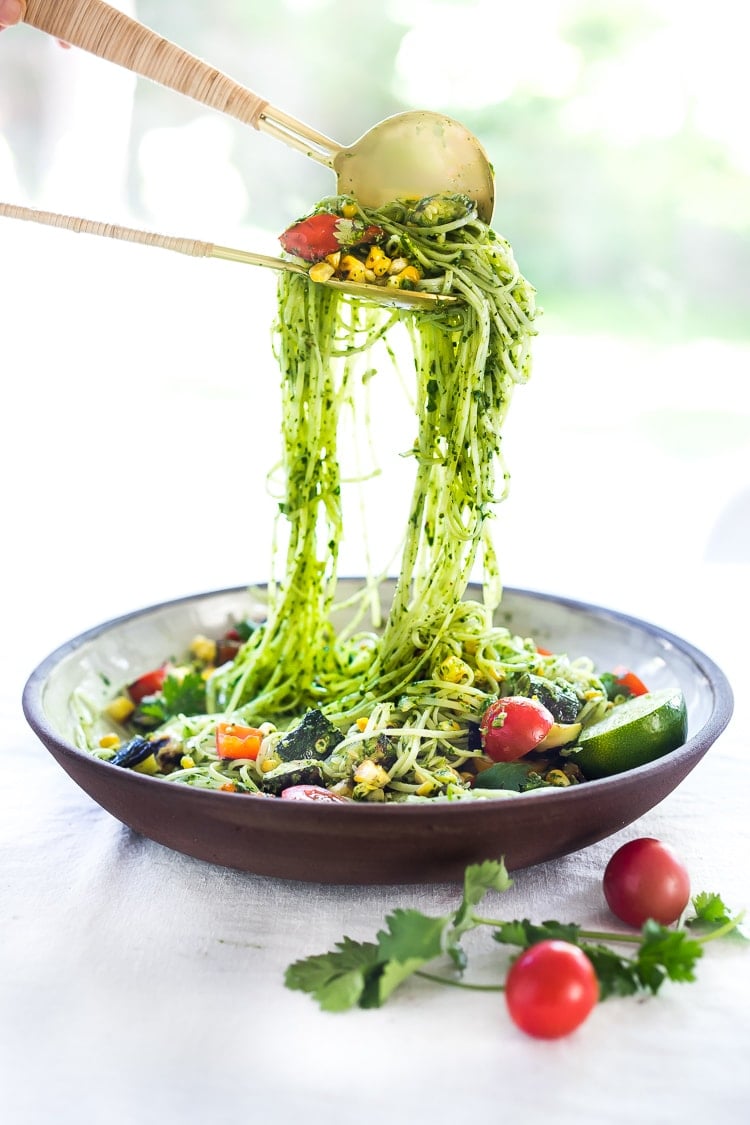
pixel 393 298
pixel 193 247
pixel 104 31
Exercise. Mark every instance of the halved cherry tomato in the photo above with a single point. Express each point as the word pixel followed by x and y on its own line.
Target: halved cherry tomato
pixel 236 741
pixel 312 238
pixel 321 234
pixel 513 726
pixel 311 793
pixel 627 679
pixel 148 684
pixel 550 989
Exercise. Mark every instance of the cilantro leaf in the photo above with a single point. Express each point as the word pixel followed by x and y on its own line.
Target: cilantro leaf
pixel 339 979
pixel 617 975
pixel 411 935
pixel 665 953
pixel 185 695
pixel 505 775
pixel 366 973
pixel 709 908
pixel 412 939
pixel 525 933
pixel 713 918
pixel 180 695
pixel 479 878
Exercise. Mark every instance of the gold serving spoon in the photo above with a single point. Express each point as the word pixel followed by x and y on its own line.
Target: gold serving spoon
pixel 379 294
pixel 407 156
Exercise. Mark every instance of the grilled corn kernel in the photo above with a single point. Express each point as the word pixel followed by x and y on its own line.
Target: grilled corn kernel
pixel 397 265
pixel 349 210
pixel 411 273
pixel 203 649
pixel 120 709
pixel 321 271
pixel 186 762
pixel 378 261
pixel 148 765
pixel 269 763
pixel 370 774
pixel 362 723
pixel 352 269
pixel 109 741
pixel 557 777
pixel 454 670
pixel 334 259
pixel 426 788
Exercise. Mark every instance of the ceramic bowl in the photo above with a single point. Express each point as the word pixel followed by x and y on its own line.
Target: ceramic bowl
pixel 369 843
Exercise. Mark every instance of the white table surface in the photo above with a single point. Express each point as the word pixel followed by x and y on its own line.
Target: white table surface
pixel 139 985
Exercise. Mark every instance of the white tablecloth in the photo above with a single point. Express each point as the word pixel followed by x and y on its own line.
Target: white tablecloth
pixel 138 985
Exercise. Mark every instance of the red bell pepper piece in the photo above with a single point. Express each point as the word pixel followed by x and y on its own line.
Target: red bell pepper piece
pixel 148 684
pixel 629 680
pixel 236 741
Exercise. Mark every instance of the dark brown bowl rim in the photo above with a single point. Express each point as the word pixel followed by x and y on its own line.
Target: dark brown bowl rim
pixel 691 751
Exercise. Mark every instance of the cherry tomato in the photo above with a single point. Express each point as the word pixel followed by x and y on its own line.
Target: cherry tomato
pixel 321 234
pixel 236 741
pixel 513 726
pixel 311 793
pixel 550 989
pixel 148 684
pixel 646 879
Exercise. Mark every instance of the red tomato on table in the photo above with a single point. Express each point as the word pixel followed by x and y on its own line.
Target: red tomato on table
pixel 646 879
pixel 550 989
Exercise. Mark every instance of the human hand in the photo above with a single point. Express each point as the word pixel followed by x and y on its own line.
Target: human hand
pixel 11 11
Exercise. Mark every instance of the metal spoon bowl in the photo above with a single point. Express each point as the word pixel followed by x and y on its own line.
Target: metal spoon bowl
pixel 407 156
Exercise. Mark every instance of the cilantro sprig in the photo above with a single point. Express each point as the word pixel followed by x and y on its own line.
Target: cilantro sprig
pixel 180 695
pixel 365 974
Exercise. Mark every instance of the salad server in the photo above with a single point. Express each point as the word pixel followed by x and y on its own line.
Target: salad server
pixel 408 156
pixel 393 298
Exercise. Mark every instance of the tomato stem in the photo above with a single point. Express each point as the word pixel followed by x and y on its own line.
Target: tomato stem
pixel 602 935
pixel 459 983
pixel 630 939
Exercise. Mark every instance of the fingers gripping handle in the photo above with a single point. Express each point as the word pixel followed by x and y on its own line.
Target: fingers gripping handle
pixel 104 31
